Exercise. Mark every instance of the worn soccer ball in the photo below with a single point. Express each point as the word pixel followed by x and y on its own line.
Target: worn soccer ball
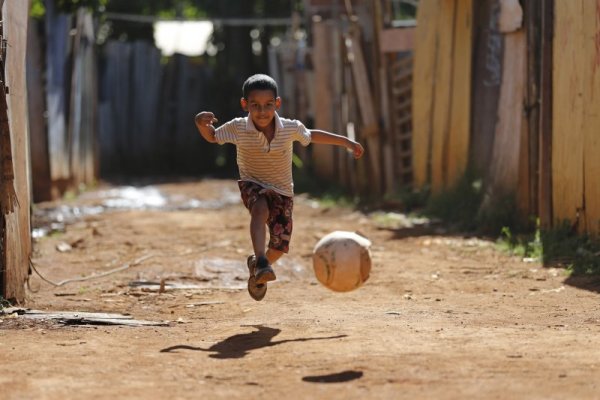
pixel 342 260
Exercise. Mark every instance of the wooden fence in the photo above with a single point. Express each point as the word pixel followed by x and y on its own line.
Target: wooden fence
pixel 533 116
pixel 442 92
pixel 476 87
pixel 576 120
pixel 362 80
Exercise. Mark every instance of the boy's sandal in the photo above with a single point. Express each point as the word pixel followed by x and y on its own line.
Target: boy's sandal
pixel 256 291
pixel 264 274
pixel 263 271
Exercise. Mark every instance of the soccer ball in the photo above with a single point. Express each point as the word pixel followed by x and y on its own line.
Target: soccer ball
pixel 342 260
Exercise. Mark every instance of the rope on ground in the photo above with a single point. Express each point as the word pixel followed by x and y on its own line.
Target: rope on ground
pixel 94 276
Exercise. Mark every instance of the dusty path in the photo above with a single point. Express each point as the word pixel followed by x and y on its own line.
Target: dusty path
pixel 441 317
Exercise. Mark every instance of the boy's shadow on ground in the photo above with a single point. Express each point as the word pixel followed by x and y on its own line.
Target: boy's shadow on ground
pixel 237 346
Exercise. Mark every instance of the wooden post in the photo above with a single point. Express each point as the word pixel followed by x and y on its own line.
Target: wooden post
pixel 16 240
pixel 591 118
pixel 488 50
pixel 569 83
pixel 366 100
pixel 507 152
pixel 322 154
pixel 40 162
pixel 459 123
pixel 444 88
pixel 369 128
pixel 425 66
pixel 533 17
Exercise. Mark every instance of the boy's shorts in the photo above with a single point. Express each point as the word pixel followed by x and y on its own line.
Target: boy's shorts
pixel 280 213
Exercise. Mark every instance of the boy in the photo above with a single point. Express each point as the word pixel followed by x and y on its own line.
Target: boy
pixel 264 144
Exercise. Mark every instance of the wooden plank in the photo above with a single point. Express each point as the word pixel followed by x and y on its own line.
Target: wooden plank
pixel 362 86
pixel 93 159
pixel 460 103
pixel 322 155
pixel 442 102
pixel 17 224
pixel 40 161
pixel 382 83
pixel 85 318
pixel 343 168
pixel 511 20
pixel 529 199
pixel 425 59
pixel 568 105
pixel 545 138
pixel 76 103
pixel 396 40
pixel 591 122
pixel 524 183
pixel 504 168
pixel 487 77
pixel 89 155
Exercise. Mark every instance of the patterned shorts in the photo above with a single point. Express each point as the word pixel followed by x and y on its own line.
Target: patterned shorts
pixel 280 213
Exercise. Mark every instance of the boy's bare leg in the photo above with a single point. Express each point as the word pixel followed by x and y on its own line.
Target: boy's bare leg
pixel 274 255
pixel 258 231
pixel 258 227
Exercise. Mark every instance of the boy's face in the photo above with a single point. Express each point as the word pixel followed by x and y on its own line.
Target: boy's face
pixel 261 104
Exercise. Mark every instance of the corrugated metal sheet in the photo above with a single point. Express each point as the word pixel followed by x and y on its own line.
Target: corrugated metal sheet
pixel 82 125
pixel 147 111
pixel 57 81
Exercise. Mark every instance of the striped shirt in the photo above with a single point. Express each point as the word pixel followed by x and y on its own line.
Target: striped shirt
pixel 261 162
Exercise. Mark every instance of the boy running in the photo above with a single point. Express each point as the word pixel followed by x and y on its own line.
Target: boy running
pixel 264 144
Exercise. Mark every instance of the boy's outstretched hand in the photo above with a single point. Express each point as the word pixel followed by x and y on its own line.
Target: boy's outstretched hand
pixel 204 121
pixel 357 150
pixel 205 118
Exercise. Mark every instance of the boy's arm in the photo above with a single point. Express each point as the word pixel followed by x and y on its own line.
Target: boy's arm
pixel 323 137
pixel 204 122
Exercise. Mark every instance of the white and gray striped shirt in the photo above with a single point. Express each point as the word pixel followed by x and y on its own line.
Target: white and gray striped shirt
pixel 268 164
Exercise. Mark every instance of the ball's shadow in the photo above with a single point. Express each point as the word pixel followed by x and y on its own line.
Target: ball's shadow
pixel 344 376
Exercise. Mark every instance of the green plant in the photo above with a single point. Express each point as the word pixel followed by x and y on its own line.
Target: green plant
pixel 408 199
pixel 564 246
pixel 459 205
pixel 38 10
pixel 465 207
pixel 4 303
pixel 560 246
pixel 525 245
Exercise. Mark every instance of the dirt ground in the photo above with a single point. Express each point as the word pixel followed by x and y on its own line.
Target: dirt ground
pixel 442 317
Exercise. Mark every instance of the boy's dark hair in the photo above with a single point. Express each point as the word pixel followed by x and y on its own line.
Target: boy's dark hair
pixel 259 82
